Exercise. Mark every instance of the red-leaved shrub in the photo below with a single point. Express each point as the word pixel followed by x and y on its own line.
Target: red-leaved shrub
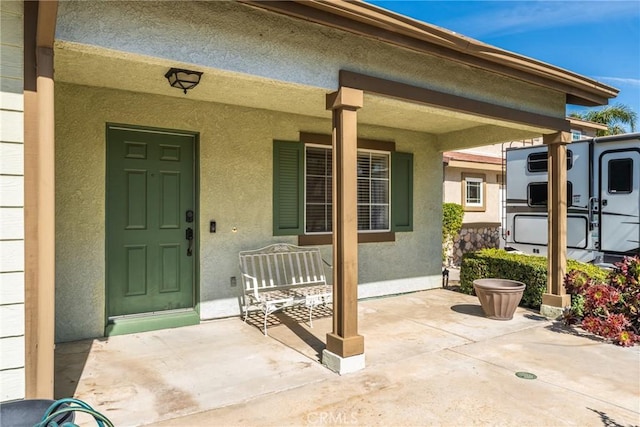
pixel 611 309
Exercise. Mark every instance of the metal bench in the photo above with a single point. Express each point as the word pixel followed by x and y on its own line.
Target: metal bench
pixel 282 275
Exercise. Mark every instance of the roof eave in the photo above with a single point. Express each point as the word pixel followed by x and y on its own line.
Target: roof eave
pixel 374 22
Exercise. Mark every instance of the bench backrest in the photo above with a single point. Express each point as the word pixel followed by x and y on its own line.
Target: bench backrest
pixel 281 265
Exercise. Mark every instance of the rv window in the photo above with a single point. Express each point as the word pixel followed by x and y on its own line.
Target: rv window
pixel 537 194
pixel 620 176
pixel 537 162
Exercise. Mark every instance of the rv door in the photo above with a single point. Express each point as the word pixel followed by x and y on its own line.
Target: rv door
pixel 619 200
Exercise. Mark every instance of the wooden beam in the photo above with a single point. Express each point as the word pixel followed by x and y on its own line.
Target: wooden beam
pixel 344 340
pixel 448 101
pixel 46 31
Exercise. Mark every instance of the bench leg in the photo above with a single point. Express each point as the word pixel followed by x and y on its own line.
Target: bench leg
pixel 267 309
pixel 266 313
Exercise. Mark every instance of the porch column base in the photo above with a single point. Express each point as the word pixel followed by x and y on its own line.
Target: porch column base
pixel 553 305
pixel 345 347
pixel 342 365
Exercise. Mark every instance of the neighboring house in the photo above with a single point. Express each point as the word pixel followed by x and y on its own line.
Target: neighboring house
pixel 474 178
pixel 474 181
pixel 113 165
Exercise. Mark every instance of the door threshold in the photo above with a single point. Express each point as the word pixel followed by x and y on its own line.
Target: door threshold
pixel 122 325
pixel 149 314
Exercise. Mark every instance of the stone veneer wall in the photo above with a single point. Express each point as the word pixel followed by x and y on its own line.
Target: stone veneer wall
pixel 473 237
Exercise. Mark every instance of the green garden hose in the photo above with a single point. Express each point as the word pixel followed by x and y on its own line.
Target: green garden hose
pixel 71 405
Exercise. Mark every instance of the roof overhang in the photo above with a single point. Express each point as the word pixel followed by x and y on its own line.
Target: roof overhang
pixel 451 120
pixel 473 165
pixel 377 23
pixel 586 124
pixel 446 115
pixel 457 159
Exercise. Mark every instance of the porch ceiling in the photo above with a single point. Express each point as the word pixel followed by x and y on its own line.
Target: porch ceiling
pixel 91 66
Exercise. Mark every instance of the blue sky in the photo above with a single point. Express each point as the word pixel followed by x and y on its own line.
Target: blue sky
pixel 598 39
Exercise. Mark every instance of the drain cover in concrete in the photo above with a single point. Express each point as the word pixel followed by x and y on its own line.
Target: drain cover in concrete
pixel 526 375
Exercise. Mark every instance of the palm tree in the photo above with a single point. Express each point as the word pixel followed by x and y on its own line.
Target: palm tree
pixel 614 117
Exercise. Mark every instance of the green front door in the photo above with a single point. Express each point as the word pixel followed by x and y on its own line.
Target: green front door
pixel 150 210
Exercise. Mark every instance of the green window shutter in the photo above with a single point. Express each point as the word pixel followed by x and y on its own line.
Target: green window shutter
pixel 401 191
pixel 288 189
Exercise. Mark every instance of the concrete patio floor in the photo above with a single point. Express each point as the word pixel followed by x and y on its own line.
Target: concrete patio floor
pixel 432 359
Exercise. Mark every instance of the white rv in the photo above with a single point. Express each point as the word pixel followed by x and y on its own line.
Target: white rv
pixel 603 197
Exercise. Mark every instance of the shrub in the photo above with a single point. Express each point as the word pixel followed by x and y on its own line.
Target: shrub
pixel 611 308
pixel 528 269
pixel 452 214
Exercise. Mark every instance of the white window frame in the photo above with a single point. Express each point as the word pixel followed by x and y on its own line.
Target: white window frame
pixel 576 135
pixel 478 181
pixel 482 183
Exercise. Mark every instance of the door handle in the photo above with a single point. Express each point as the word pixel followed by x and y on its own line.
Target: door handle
pixel 604 202
pixel 592 209
pixel 189 237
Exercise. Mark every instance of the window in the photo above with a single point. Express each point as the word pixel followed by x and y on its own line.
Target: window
pixel 620 176
pixel 537 195
pixel 576 135
pixel 302 190
pixel 473 192
pixel 373 190
pixel 318 190
pixel 538 162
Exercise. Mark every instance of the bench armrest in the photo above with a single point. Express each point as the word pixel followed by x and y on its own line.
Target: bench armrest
pixel 254 289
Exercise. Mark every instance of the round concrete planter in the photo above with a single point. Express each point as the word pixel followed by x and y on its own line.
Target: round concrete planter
pixel 499 298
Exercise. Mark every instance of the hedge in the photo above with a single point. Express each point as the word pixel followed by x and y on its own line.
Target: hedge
pixel 452 216
pixel 528 269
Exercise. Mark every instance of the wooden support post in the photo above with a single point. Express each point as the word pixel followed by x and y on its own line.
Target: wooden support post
pixel 39 198
pixel 556 297
pixel 344 341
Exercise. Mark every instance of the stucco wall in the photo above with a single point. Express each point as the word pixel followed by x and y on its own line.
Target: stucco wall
pixel 11 203
pixel 453 193
pixel 452 190
pixel 238 38
pixel 235 160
